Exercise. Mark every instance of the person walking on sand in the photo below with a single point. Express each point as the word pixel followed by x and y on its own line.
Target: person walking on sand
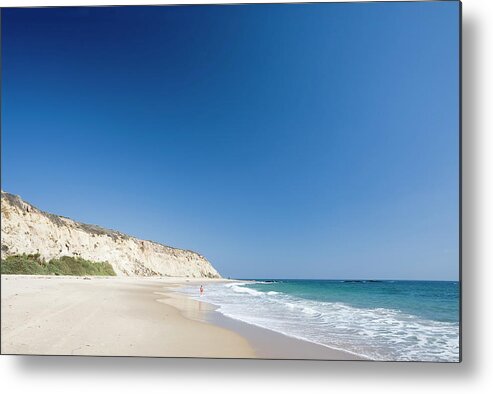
pixel 201 290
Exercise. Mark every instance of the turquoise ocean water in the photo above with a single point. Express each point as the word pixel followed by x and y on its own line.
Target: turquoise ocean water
pixel 380 320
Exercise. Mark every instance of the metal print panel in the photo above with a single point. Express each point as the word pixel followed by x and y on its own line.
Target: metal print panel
pixel 233 181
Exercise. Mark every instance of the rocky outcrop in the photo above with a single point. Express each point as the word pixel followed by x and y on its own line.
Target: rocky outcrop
pixel 26 229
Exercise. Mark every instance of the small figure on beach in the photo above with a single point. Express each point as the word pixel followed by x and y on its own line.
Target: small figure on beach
pixel 201 290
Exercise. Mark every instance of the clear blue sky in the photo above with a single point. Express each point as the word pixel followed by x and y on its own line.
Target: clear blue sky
pixel 285 141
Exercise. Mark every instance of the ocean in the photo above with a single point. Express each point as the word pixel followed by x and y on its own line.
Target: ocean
pixel 379 320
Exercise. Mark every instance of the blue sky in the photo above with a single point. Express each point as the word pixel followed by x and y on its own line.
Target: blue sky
pixel 280 141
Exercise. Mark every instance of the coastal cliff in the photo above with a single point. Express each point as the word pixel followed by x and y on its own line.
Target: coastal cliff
pixel 27 230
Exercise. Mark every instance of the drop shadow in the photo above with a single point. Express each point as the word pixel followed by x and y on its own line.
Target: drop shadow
pixel 203 368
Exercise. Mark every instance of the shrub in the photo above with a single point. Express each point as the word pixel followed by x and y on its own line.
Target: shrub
pixel 33 265
pixel 23 264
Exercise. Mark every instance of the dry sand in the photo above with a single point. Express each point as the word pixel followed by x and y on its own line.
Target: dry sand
pixel 121 316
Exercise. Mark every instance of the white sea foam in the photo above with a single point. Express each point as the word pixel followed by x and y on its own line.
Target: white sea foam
pixel 380 333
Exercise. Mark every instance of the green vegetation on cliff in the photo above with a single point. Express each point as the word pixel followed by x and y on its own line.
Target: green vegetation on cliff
pixel 33 264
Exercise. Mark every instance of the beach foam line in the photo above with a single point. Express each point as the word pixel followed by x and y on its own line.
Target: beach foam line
pixel 378 333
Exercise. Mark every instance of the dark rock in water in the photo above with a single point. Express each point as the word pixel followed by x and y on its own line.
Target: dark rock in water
pixel 362 281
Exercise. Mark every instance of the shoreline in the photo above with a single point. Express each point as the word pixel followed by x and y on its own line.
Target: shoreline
pixel 267 343
pixel 134 316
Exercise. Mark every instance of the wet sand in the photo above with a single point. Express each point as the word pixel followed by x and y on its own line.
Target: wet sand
pixel 122 316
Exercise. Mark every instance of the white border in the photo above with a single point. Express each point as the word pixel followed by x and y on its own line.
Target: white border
pixel 93 375
pixel 38 3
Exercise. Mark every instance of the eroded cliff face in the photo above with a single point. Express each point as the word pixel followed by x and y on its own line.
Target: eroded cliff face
pixel 26 229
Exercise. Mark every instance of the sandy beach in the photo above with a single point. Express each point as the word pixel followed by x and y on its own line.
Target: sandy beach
pixel 123 316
